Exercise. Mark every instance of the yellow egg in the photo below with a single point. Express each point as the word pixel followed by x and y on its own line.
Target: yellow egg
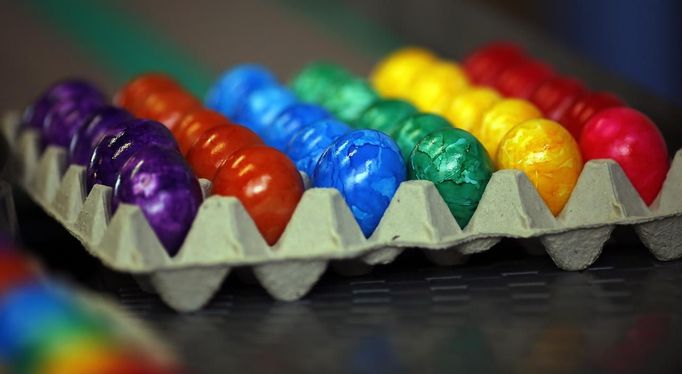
pixel 392 75
pixel 467 109
pixel 497 121
pixel 434 88
pixel 549 156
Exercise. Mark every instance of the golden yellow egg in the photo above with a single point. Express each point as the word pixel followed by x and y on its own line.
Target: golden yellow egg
pixel 549 156
pixel 467 109
pixel 392 75
pixel 434 88
pixel 497 121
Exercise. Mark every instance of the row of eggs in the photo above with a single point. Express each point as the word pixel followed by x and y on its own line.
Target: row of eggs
pixel 335 128
pixel 470 96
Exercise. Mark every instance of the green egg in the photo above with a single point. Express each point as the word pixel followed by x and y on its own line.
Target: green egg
pixel 457 164
pixel 385 115
pixel 414 128
pixel 318 80
pixel 350 99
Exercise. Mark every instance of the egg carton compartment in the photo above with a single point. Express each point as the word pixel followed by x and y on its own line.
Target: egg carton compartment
pixel 322 229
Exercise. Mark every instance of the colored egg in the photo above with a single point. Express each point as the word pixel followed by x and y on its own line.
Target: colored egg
pixel 318 80
pixel 467 109
pixel 584 108
pixel 229 92
pixel 132 96
pixel 291 120
pixel 194 124
pixel 168 106
pixel 267 184
pixel 350 99
pixel 416 127
pixel 634 142
pixel 34 115
pixel 114 150
pixel 523 78
pixel 365 166
pixel 65 118
pixel 63 337
pixel 394 74
pixel 262 107
pixel 433 89
pixel 501 118
pixel 485 64
pixel 458 166
pixel 15 270
pixel 214 147
pixel 107 120
pixel 28 312
pixel 159 181
pixel 307 145
pixel 385 115
pixel 549 156
pixel 556 95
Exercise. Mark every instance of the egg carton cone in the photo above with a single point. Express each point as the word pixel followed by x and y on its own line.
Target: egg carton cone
pixel 323 230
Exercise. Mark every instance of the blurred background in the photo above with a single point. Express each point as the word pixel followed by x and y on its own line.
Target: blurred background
pixel 108 40
pixel 503 310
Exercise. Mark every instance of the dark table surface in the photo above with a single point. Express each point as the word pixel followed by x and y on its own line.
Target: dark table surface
pixel 503 311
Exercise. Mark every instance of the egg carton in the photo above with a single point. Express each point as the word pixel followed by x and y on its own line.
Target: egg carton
pixel 323 230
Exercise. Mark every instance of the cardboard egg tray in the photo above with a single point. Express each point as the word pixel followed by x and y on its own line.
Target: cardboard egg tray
pixel 322 229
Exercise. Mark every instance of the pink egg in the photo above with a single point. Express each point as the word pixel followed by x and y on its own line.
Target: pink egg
pixel 633 140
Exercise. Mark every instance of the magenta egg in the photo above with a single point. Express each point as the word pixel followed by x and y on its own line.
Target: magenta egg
pixel 633 140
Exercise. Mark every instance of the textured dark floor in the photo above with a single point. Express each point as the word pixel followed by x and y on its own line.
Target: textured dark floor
pixel 504 311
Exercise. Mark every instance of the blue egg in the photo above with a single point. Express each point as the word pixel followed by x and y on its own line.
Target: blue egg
pixel 27 312
pixel 367 168
pixel 261 108
pixel 229 92
pixel 292 119
pixel 308 144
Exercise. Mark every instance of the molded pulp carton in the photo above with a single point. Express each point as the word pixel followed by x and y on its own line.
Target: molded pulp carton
pixel 323 229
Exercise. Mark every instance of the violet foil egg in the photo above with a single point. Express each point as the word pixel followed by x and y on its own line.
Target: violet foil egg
pixel 107 120
pixel 114 150
pixel 34 115
pixel 160 182
pixel 66 117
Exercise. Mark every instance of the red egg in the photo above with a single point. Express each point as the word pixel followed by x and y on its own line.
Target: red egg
pixel 131 96
pixel 584 108
pixel 485 64
pixel 168 106
pixel 523 78
pixel 214 146
pixel 555 96
pixel 193 124
pixel 633 140
pixel 15 269
pixel 268 185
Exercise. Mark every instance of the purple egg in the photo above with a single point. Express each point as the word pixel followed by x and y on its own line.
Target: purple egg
pixel 107 120
pixel 66 117
pixel 114 150
pixel 34 115
pixel 160 182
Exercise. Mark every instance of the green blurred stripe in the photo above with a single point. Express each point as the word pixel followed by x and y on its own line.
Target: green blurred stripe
pixel 343 22
pixel 122 43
